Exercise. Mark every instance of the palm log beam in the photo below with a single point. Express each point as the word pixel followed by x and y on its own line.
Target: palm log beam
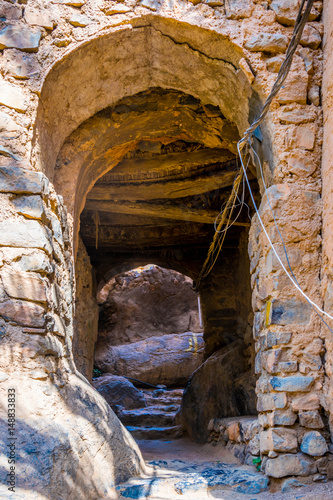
pixel 156 188
pixel 183 213
pixel 126 238
pixel 159 167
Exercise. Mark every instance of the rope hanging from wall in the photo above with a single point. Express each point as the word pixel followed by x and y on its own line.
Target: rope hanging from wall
pixel 246 142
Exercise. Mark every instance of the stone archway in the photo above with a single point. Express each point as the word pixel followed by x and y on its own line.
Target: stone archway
pixel 109 81
pixel 187 148
pixel 204 59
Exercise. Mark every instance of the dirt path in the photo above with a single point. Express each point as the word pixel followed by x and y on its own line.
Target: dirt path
pixel 168 457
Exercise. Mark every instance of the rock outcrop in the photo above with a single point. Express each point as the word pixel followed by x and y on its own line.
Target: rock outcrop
pixel 80 451
pixel 134 305
pixel 169 359
pixel 119 392
pixel 220 387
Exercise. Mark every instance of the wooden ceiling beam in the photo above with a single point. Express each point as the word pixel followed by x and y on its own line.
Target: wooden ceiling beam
pixel 183 213
pixel 166 165
pixel 138 237
pixel 181 188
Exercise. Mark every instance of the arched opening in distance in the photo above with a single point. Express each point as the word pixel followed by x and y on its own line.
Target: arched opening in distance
pixel 150 341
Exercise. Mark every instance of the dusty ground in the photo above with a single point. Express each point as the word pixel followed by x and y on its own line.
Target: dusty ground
pixel 184 449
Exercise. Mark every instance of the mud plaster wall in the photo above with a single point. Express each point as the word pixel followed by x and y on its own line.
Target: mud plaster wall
pixel 36 325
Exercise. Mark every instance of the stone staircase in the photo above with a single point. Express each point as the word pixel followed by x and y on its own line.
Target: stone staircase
pixel 159 419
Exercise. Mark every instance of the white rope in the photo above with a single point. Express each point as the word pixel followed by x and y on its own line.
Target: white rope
pixel 300 22
pixel 272 245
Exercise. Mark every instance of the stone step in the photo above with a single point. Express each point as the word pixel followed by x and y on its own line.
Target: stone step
pixel 162 397
pixel 147 417
pixel 178 392
pixel 175 405
pixel 164 408
pixel 162 433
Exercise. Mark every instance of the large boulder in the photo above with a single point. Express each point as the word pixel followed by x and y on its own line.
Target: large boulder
pixel 220 387
pixel 169 359
pixel 71 443
pixel 118 391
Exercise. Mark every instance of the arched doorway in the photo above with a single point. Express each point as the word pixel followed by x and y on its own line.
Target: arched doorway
pixel 146 165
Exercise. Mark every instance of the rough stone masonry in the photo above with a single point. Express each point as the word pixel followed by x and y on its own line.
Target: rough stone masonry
pixel 63 61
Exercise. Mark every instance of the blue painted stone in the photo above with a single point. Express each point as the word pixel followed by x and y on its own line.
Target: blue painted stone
pixel 253 486
pixel 269 402
pixel 240 480
pixel 287 366
pixel 258 324
pixel 30 206
pixel 283 417
pixel 291 384
pixel 20 37
pixel 277 338
pixel 136 491
pixel 194 477
pixel 2 331
pixel 18 180
pixel 184 487
pixel 143 488
pixel 257 363
pixel 314 444
pixel 289 312
pixel 290 484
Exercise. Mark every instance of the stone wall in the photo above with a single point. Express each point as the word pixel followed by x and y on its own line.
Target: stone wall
pixel 86 314
pixel 226 301
pixel 36 263
pixel 56 408
pixel 327 179
pixel 287 331
pixel 57 70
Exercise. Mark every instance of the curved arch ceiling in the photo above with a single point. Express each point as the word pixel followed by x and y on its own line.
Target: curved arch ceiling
pixel 162 53
pixel 82 135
